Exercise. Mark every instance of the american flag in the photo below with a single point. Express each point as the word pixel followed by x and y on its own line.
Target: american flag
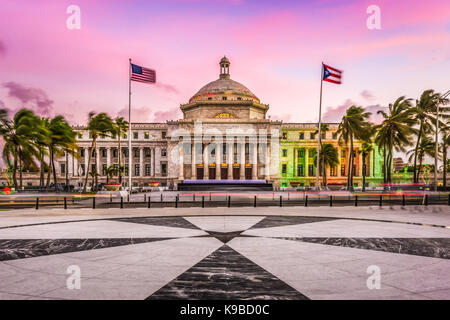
pixel 332 75
pixel 141 74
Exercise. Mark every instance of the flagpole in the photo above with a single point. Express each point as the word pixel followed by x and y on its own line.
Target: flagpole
pixel 320 123
pixel 129 128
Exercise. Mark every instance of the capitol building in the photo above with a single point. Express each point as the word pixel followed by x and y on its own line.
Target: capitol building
pixel 224 136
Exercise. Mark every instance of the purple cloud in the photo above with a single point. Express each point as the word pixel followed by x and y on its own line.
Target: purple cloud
pixel 366 94
pixel 335 114
pixel 167 87
pixel 163 116
pixel 33 98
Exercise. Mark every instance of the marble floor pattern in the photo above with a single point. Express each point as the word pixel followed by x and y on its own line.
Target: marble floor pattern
pixel 225 257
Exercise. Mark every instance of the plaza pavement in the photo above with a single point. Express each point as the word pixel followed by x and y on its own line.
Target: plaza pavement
pixel 226 253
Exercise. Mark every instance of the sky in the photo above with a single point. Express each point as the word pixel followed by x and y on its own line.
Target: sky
pixel 275 48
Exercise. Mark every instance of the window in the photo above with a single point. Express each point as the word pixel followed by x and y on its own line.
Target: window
pixel 239 98
pixel 247 148
pixel 283 168
pixel 115 153
pixel 82 152
pixel 93 153
pixel 104 151
pixel 126 170
pixel 334 135
pixel 125 152
pixel 284 135
pixel 301 136
pixel 148 170
pixel 63 168
pixel 343 170
pixel 163 152
pixel 343 154
pixel 311 153
pixel 136 153
pixel 224 149
pixel 224 98
pixel 147 152
pixel 83 169
pixel 163 134
pixel 312 136
pixel 80 135
pixel 284 152
pixel 333 172
pixel 300 170
pixel 323 135
pixel 209 98
pixel 136 170
pixel 135 135
pixel 124 136
pixel 163 169
pixel 146 135
pixel 300 153
pixel 93 169
pixel 310 170
pixel 104 169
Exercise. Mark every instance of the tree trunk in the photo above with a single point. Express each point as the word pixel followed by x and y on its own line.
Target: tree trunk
pixel 15 174
pixel 52 160
pixel 120 157
pixel 419 136
pixel 364 171
pixel 95 179
pixel 444 160
pixel 67 171
pixel 41 175
pixel 87 169
pixel 20 170
pixel 351 161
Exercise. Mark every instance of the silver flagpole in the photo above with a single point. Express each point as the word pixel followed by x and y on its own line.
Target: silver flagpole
pixel 129 130
pixel 320 123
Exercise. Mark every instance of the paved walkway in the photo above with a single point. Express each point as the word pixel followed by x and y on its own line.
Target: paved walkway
pixel 226 253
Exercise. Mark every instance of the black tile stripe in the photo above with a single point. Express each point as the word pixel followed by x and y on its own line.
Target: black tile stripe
pixel 11 249
pixel 426 247
pixel 223 275
pixel 277 221
pixel 177 222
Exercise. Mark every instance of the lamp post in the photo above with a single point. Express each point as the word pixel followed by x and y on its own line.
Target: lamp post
pixel 436 151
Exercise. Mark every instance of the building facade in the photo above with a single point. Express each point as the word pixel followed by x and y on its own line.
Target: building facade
pixel 224 135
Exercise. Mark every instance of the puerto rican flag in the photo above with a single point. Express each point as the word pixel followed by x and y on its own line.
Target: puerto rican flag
pixel 331 74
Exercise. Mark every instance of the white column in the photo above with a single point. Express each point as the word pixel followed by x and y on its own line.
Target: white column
pixel 242 160
pixel 153 161
pixel 97 156
pixel 218 160
pixel 86 159
pixel 141 161
pixel 254 161
pixel 206 163
pixel 75 166
pixel 108 157
pixel 230 160
pixel 267 162
pixel 306 163
pixel 181 161
pixel 194 161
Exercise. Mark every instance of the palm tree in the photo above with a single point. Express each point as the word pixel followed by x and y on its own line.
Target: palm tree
pixel 365 150
pixel 121 126
pixel 111 171
pixel 328 157
pixel 395 131
pixel 20 136
pixel 426 148
pixel 62 141
pixel 353 125
pixel 424 112
pixel 99 124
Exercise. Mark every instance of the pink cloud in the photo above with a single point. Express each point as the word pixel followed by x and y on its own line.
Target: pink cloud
pixel 2 49
pixel 163 116
pixel 32 98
